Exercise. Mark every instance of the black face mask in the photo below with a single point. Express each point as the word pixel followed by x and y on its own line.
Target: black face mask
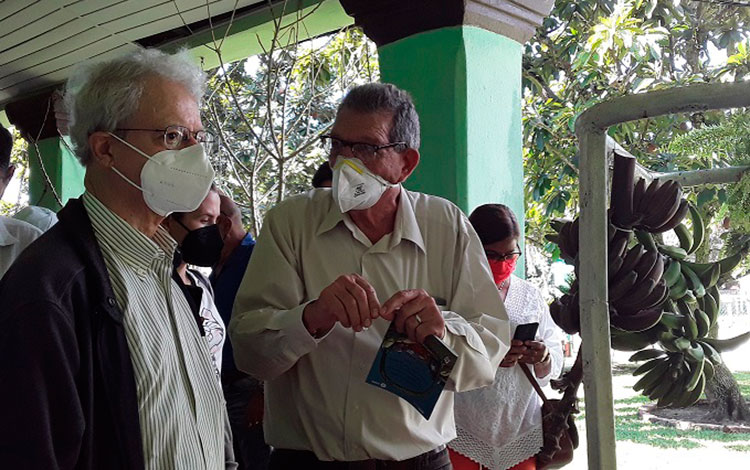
pixel 202 246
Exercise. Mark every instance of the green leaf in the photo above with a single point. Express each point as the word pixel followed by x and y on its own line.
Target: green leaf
pixel 706 196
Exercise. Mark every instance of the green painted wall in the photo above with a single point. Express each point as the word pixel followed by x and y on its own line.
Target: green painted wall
pixel 466 84
pixel 65 173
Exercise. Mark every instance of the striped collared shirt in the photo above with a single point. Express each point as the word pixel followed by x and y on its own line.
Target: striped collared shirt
pixel 180 404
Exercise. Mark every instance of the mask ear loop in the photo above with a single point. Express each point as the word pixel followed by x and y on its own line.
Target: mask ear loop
pixel 114 168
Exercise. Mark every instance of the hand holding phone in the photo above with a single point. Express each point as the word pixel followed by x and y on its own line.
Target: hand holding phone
pixel 526 332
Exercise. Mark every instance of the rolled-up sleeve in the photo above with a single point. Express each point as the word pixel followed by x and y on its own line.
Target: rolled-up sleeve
pixel 266 329
pixel 476 323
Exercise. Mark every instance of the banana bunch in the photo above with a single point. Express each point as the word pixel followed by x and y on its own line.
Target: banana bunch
pixel 659 206
pixel 660 304
pixel 676 378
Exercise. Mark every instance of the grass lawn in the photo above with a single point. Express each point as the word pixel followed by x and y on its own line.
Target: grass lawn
pixel 629 427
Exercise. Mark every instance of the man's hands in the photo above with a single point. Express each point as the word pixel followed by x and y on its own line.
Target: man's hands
pixel 349 300
pixel 529 352
pixel 415 313
pixel 352 301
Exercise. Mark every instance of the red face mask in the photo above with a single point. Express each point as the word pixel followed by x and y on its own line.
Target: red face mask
pixel 501 270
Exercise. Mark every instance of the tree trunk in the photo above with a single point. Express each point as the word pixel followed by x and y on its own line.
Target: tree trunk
pixel 724 396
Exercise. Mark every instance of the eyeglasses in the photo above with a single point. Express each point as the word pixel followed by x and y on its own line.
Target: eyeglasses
pixel 495 256
pixel 175 136
pixel 333 146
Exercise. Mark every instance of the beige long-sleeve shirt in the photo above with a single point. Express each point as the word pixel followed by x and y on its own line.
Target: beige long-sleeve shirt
pixel 316 395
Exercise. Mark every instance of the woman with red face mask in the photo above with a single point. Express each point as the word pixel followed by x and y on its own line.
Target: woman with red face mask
pixel 500 427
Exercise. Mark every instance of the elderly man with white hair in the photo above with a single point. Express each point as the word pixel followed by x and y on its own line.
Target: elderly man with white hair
pixel 103 364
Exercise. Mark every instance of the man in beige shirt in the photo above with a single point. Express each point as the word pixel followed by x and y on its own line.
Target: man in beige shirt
pixel 332 268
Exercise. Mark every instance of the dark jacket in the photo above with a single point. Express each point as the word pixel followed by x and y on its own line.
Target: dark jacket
pixel 67 389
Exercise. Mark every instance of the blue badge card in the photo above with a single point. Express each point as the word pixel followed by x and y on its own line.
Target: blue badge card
pixel 415 372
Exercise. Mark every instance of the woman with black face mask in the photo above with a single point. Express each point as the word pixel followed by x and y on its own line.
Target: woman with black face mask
pixel 200 241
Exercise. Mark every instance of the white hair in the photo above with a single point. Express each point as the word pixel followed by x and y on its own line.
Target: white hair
pixel 101 95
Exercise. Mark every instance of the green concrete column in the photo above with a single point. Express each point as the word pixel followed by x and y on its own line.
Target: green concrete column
pixel 466 85
pixel 63 169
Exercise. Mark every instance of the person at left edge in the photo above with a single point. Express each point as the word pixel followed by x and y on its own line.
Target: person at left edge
pixel 103 366
pixel 15 235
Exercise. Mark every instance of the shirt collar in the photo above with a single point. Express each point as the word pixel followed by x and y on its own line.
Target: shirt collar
pixel 6 239
pixel 130 244
pixel 406 226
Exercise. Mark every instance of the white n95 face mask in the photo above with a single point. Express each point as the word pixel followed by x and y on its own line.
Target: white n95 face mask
pixel 173 180
pixel 354 186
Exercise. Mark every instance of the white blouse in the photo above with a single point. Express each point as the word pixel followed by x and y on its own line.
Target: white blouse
pixel 213 325
pixel 500 426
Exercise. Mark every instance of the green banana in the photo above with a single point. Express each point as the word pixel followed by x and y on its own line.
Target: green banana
pixel 695 353
pixel 673 251
pixel 645 355
pixel 714 291
pixel 699 229
pixel 691 326
pixel 695 283
pixel 683 344
pixel 672 273
pixel 708 370
pixel 724 345
pixel 710 352
pixel 703 322
pixel 646 239
pixel 673 320
pixel 661 389
pixel 684 236
pixel 652 376
pixel 666 337
pixel 711 277
pixel 730 262
pixel 692 397
pixel 647 366
pixel 679 289
pixel 700 268
pixel 711 308
pixel 695 374
pixel 676 391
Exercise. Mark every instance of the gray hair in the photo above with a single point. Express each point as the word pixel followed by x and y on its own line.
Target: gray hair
pixel 99 96
pixel 378 97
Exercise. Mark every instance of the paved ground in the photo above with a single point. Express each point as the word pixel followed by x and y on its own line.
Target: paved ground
pixel 636 456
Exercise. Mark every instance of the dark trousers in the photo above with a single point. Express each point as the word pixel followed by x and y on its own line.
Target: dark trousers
pixel 250 448
pixel 284 459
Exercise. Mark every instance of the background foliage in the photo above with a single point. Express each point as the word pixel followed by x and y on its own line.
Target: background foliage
pixel 593 50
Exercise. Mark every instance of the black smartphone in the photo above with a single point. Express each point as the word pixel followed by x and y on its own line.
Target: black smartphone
pixel 526 332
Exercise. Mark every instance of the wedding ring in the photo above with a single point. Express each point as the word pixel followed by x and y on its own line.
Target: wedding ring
pixel 419 320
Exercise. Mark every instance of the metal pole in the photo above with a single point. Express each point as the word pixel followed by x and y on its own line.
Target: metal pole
pixel 597 367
